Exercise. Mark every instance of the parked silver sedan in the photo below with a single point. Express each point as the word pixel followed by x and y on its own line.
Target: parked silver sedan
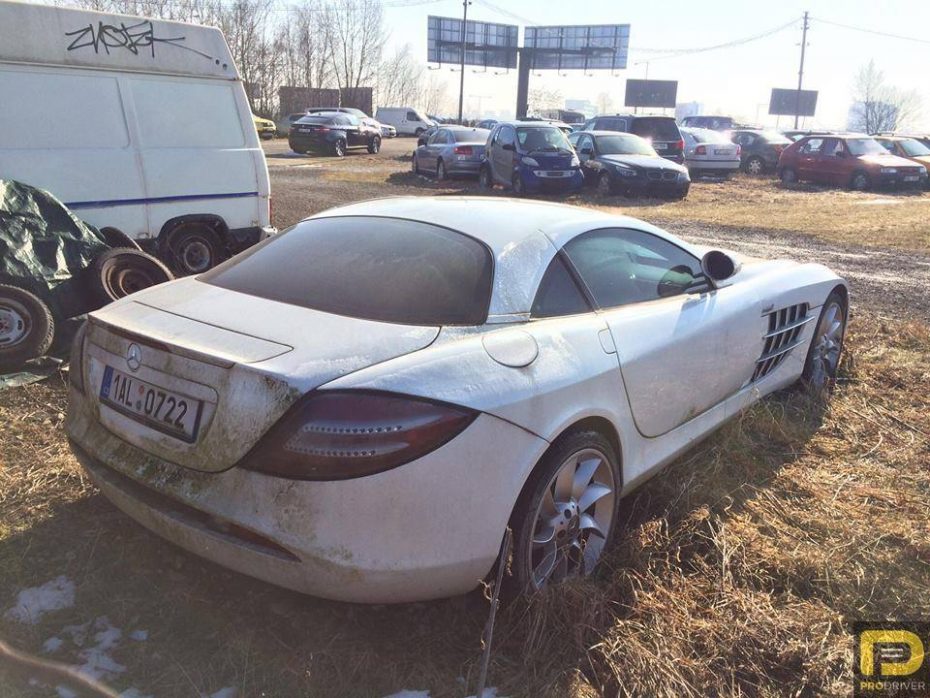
pixel 709 153
pixel 451 150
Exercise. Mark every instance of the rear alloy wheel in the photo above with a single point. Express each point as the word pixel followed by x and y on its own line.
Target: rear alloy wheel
pixel 339 148
pixel 788 176
pixel 441 171
pixel 193 249
pixel 374 145
pixel 26 327
pixel 755 166
pixel 566 513
pixel 484 179
pixel 823 357
pixel 860 182
pixel 605 186
pixel 519 188
pixel 118 273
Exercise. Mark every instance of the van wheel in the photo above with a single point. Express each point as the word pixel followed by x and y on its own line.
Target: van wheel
pixel 120 272
pixel 339 148
pixel 117 238
pixel 26 327
pixel 485 180
pixel 374 145
pixel 860 182
pixel 193 248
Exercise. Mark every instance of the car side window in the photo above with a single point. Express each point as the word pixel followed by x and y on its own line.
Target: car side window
pixel 833 146
pixel 888 145
pixel 435 138
pixel 412 116
pixel 813 146
pixel 558 293
pixel 586 143
pixel 621 266
pixel 507 136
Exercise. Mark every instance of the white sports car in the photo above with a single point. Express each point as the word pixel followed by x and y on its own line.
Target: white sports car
pixel 357 408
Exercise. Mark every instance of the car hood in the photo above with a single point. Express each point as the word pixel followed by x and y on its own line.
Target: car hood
pixel 885 160
pixel 646 161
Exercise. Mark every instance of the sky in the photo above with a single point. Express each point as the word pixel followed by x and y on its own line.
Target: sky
pixel 733 81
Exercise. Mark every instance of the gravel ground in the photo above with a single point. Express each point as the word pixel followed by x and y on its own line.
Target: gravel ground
pixel 885 281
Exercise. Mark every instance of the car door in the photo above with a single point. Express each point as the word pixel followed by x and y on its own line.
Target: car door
pixel 588 158
pixel 683 346
pixel 504 153
pixel 809 160
pixel 434 147
pixel 833 162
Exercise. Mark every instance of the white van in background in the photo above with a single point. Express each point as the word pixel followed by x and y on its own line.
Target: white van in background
pixel 407 120
pixel 136 124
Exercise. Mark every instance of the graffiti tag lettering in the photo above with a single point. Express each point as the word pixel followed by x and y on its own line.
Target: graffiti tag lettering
pixel 133 38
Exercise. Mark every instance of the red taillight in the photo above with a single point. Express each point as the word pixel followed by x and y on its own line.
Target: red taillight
pixel 323 129
pixel 739 149
pixel 700 150
pixel 680 144
pixel 335 435
pixel 463 150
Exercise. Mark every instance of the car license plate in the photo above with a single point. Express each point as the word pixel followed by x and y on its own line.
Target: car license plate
pixel 164 410
pixel 558 173
pixel 660 146
pixel 911 178
pixel 722 151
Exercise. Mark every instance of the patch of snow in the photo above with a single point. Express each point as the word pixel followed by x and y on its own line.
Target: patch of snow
pixel 65 692
pixel 95 658
pixel 134 693
pixel 228 692
pixel 139 635
pixel 409 694
pixel 33 603
pixel 53 644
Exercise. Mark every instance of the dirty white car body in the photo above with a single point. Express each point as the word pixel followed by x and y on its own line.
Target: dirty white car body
pixel 655 376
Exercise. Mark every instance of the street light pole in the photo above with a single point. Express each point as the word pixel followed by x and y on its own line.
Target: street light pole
pixel 797 101
pixel 465 4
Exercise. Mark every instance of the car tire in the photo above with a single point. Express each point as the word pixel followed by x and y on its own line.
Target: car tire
pixel 682 193
pixel 27 328
pixel 193 248
pixel 374 146
pixel 117 238
pixel 441 174
pixel 826 348
pixel 485 179
pixel 560 501
pixel 415 166
pixel 339 148
pixel 605 186
pixel 788 175
pixel 115 274
pixel 754 166
pixel 860 181
pixel 517 185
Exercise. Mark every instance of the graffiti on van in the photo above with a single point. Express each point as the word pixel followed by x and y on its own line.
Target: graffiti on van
pixel 133 38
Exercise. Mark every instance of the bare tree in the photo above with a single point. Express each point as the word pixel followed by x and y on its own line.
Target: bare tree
pixel 544 98
pixel 605 103
pixel 878 106
pixel 399 79
pixel 355 38
pixel 434 97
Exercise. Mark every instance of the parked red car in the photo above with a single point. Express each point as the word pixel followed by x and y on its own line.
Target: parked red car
pixel 857 162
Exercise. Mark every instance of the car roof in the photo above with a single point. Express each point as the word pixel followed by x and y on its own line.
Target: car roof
pixel 523 236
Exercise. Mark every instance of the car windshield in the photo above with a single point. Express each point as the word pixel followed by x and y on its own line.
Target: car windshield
pixel 623 145
pixel 477 135
pixel 372 268
pixel 542 138
pixel 865 146
pixel 656 129
pixel 914 148
pixel 775 138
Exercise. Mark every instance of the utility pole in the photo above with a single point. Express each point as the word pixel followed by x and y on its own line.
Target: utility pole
pixel 797 101
pixel 465 4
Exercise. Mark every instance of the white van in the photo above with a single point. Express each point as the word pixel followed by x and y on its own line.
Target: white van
pixel 137 125
pixel 407 120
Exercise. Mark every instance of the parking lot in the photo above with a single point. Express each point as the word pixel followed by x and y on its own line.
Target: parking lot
pixel 736 569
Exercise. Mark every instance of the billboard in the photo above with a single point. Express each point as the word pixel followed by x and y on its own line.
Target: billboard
pixel 486 44
pixel 584 47
pixel 651 93
pixel 793 102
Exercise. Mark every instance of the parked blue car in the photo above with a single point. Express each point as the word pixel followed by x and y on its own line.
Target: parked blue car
pixel 451 150
pixel 530 157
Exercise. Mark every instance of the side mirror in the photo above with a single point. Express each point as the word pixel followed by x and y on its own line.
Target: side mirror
pixel 718 266
pixel 509 146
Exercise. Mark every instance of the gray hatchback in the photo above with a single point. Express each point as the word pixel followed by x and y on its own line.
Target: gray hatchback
pixel 451 150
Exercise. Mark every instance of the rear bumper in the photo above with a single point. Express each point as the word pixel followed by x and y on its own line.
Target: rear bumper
pixel 299 141
pixel 428 529
pixel 712 165
pixel 463 167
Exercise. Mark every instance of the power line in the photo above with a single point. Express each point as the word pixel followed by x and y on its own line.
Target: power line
pixel 672 53
pixel 507 13
pixel 871 31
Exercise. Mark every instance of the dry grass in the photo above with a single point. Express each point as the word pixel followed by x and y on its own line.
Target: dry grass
pixel 737 571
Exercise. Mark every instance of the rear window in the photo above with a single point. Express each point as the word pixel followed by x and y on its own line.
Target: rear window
pixel 706 136
pixel 373 268
pixel 473 135
pixel 316 120
pixel 657 129
pixel 774 137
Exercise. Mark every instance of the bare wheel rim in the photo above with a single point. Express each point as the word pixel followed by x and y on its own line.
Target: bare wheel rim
pixel 196 255
pixel 573 519
pixel 14 325
pixel 827 345
pixel 340 149
pixel 754 166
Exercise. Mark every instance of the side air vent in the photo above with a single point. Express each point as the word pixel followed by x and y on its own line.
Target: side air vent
pixel 783 335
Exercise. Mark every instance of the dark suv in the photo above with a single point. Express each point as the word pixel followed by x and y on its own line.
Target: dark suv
pixel 661 132
pixel 333 132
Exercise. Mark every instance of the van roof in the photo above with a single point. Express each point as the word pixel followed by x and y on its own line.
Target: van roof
pixel 48 35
